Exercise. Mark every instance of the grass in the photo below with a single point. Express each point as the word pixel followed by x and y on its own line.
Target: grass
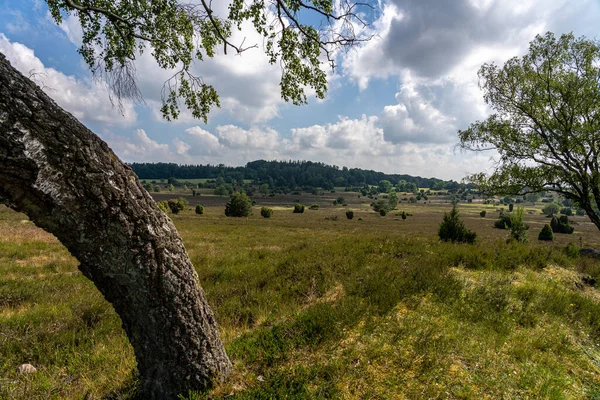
pixel 314 308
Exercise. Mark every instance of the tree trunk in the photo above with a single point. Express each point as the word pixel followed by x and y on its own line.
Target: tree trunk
pixel 71 184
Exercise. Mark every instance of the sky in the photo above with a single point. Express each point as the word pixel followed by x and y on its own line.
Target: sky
pixel 394 104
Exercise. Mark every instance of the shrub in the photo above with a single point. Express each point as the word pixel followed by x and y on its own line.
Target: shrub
pixel 199 209
pixel 163 206
pixel 298 208
pixel 511 207
pixel 561 225
pixel 349 214
pixel 518 228
pixel 314 207
pixel 340 200
pixel 379 205
pixel 503 221
pixel 566 211
pixel 266 212
pixel 482 214
pixel 572 250
pixel 383 212
pixel 546 233
pixel 177 205
pixel 453 229
pixel 550 209
pixel 331 218
pixel 403 215
pixel 239 205
pixel 580 212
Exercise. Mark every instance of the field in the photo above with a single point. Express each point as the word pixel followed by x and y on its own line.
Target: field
pixel 311 306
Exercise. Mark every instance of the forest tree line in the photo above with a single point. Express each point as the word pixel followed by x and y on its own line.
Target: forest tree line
pixel 289 174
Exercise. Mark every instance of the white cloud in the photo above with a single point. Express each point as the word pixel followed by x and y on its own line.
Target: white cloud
pixel 72 28
pixel 86 100
pixel 355 143
pixel 435 49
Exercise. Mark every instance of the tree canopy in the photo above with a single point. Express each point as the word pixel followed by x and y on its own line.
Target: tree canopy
pixel 545 124
pixel 181 32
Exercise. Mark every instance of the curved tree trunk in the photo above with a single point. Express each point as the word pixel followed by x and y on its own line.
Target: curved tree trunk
pixel 70 183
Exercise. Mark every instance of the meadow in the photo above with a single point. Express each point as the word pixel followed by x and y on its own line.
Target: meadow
pixel 315 305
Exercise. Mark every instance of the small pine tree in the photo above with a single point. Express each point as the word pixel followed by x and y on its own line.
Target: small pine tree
pixel 266 212
pixel 518 228
pixel 561 225
pixel 239 205
pixel 349 214
pixel 546 233
pixel 453 229
pixel 199 209
pixel 403 215
pixel 298 208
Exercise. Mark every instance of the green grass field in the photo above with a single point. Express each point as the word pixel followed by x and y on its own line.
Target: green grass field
pixel 311 307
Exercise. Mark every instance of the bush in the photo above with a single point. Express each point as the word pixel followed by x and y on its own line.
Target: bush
pixel 546 233
pixel 550 209
pixel 503 221
pixel 482 214
pixel 572 250
pixel 314 207
pixel 518 228
pixel 177 205
pixel 349 214
pixel 511 207
pixel 340 200
pixel 239 205
pixel 199 209
pixel 298 208
pixel 453 229
pixel 403 215
pixel 163 206
pixel 561 225
pixel 331 218
pixel 266 212
pixel 380 205
pixel 580 212
pixel 383 212
pixel 566 211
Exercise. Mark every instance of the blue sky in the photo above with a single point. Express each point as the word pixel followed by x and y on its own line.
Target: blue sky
pixel 394 104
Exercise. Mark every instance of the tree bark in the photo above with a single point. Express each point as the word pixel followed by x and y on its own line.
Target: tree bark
pixel 71 184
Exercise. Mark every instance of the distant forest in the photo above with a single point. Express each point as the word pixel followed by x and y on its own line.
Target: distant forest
pixel 288 174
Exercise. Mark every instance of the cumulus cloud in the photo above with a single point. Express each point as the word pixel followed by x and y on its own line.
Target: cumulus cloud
pixel 347 142
pixel 85 99
pixel 138 147
pixel 347 136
